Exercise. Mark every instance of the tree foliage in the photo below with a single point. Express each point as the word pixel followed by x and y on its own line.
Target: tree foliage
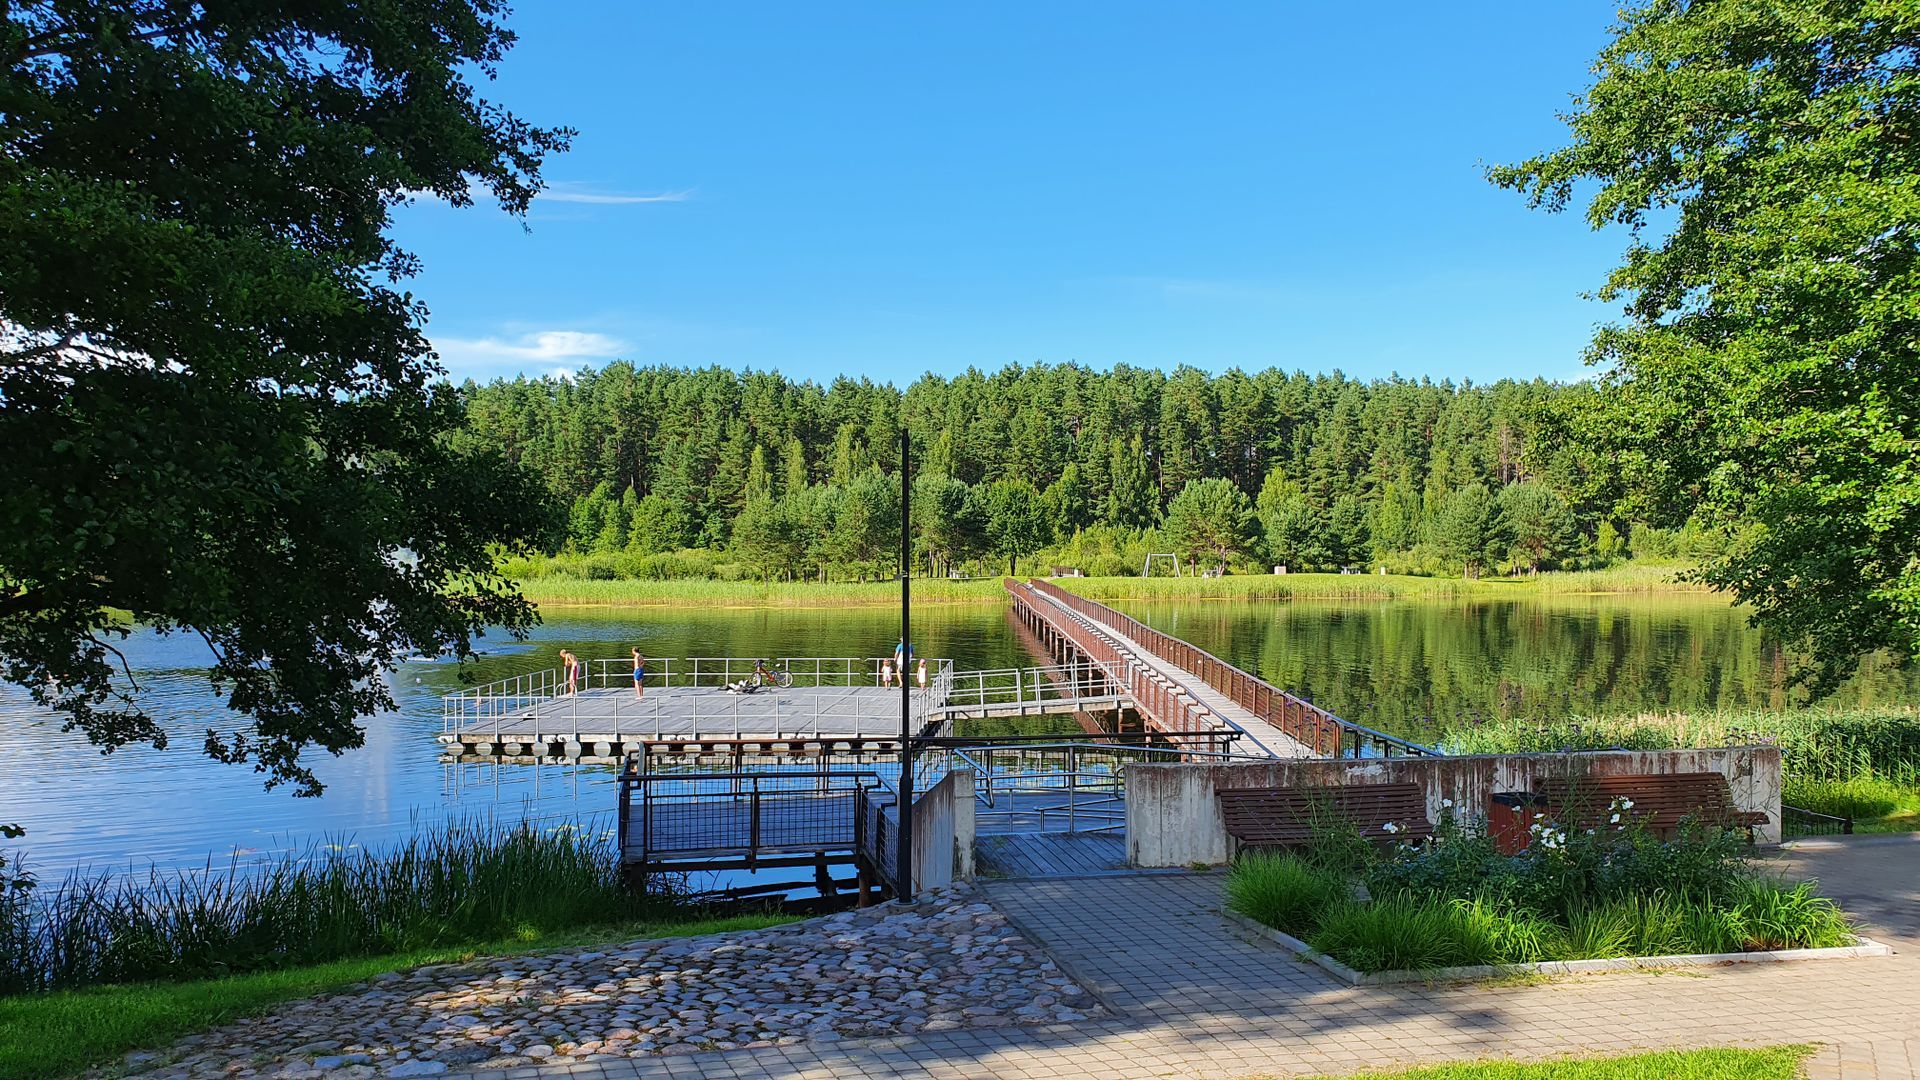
pixel 219 410
pixel 1346 472
pixel 1766 161
pixel 1210 519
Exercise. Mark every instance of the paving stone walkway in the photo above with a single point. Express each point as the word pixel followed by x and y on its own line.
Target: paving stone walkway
pixel 1194 998
pixel 1187 995
pixel 951 963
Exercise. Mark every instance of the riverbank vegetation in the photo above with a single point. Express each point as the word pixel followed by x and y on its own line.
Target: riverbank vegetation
pixel 1572 894
pixel 1863 764
pixel 558 582
pixel 460 886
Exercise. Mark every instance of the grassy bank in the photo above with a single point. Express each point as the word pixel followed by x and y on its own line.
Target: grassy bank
pixel 55 1034
pixel 1862 764
pixel 461 886
pixel 1770 1063
pixel 559 590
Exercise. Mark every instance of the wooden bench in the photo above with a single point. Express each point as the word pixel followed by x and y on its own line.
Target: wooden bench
pixel 1292 817
pixel 1660 802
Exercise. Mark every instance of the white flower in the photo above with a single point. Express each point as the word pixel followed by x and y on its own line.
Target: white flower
pixel 1615 819
pixel 1537 817
pixel 1391 827
pixel 1446 804
pixel 1626 804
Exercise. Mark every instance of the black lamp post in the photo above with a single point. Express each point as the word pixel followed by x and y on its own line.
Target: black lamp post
pixel 904 886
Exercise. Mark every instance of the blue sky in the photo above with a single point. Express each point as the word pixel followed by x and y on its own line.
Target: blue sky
pixel 890 189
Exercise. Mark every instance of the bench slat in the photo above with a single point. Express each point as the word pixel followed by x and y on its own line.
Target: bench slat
pixel 1286 816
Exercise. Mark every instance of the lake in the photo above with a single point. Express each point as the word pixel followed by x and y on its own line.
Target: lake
pixel 1410 667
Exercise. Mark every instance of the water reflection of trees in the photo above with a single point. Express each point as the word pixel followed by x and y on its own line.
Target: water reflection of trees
pixel 1418 667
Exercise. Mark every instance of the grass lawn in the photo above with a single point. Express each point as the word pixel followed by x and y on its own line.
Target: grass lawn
pixel 1875 803
pixel 566 590
pixel 1772 1063
pixel 60 1033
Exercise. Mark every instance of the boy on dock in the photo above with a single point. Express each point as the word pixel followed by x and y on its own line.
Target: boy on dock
pixel 639 675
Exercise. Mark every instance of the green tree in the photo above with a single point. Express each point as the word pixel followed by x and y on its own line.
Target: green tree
pixel 1016 521
pixel 1348 536
pixel 220 411
pixel 1765 159
pixel 1539 527
pixel 1210 518
pixel 769 535
pixel 1607 541
pixel 1131 499
pixel 1296 537
pixel 1467 530
pixel 947 518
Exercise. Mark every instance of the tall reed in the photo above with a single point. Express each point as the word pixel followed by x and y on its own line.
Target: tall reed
pixel 469 882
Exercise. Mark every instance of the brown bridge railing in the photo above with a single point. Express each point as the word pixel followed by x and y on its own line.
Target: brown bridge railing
pixel 1301 720
pixel 1174 712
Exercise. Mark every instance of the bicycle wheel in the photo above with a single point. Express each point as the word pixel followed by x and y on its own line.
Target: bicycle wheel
pixel 782 679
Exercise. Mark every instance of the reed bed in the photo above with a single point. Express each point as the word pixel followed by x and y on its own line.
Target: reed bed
pixel 575 590
pixel 469 882
pixel 558 591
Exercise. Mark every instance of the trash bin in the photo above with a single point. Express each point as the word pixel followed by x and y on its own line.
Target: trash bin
pixel 1510 818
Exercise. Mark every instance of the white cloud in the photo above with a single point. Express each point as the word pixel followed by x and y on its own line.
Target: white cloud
pixel 578 193
pixel 555 350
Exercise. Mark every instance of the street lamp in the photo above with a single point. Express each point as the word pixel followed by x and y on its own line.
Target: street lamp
pixel 904 886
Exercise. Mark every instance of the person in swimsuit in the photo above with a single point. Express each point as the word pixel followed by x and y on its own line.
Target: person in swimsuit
pixel 639 674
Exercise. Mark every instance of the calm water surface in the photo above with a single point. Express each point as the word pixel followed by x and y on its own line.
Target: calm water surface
pixel 1408 667
pixel 1417 668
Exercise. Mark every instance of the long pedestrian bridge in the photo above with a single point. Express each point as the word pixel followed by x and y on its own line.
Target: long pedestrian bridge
pixel 808 774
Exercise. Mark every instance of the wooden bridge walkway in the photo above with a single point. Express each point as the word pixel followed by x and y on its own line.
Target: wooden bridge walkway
pixel 1183 690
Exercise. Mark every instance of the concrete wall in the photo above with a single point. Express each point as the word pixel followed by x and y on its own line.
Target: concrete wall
pixel 1173 818
pixel 943 832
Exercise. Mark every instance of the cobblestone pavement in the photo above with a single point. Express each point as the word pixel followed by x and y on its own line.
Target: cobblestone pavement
pixel 1189 996
pixel 1194 998
pixel 952 963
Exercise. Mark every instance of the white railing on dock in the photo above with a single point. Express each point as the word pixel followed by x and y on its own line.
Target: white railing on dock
pixel 541 706
pixel 1036 686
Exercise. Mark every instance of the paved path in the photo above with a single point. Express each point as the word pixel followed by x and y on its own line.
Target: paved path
pixel 1197 999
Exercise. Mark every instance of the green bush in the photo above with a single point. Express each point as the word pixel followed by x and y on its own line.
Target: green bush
pixel 1284 892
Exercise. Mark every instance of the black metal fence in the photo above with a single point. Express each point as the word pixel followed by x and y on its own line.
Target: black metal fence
pixel 1797 822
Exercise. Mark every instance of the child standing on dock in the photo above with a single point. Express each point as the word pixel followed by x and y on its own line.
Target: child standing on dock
pixel 639 675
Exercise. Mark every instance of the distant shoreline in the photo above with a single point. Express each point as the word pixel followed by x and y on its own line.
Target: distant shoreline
pixel 575 592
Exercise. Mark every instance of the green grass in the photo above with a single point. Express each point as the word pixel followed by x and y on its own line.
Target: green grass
pixel 566 589
pixel 452 887
pixel 1626 579
pixel 562 591
pixel 1283 891
pixel 1875 803
pixel 1771 1063
pixel 59 1033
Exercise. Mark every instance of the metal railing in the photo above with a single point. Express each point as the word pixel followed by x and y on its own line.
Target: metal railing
pixel 1062 786
pixel 1173 710
pixel 720 671
pixel 1797 822
pixel 540 706
pixel 1030 686
pixel 1302 720
pixel 667 817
